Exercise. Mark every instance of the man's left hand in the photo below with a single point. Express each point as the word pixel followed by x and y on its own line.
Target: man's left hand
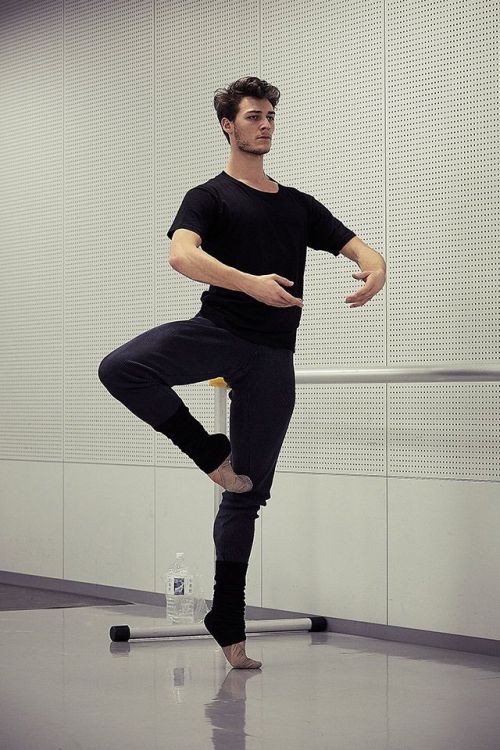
pixel 375 280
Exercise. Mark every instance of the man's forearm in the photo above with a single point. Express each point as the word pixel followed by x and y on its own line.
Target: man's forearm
pixel 370 260
pixel 198 265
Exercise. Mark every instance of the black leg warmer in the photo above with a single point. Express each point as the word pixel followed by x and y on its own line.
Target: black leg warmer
pixel 207 451
pixel 226 619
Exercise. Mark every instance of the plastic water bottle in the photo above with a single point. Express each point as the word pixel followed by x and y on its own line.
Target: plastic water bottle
pixel 182 589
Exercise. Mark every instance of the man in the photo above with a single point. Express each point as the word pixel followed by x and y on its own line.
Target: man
pixel 255 233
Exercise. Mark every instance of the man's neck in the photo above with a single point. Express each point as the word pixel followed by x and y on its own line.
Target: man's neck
pixel 253 173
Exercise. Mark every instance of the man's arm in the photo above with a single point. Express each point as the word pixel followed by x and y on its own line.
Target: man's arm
pixel 188 258
pixel 372 270
pixel 362 254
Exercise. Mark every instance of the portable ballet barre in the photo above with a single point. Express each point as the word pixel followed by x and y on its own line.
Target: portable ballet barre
pixel 128 633
pixel 483 373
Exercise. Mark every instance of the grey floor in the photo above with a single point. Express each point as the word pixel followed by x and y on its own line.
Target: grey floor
pixel 65 686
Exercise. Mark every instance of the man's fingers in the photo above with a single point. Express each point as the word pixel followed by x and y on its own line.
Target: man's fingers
pixel 290 301
pixel 360 301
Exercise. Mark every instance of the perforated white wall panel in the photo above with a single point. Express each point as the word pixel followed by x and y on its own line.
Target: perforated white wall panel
pixel 108 217
pixel 31 257
pixel 442 228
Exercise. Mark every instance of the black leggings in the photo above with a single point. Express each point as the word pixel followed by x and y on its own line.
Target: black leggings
pixel 141 373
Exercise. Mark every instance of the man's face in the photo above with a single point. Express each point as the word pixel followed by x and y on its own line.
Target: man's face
pixel 251 125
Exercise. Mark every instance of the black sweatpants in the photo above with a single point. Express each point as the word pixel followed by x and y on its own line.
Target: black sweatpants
pixel 140 374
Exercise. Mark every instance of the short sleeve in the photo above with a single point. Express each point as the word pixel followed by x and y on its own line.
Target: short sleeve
pixel 198 212
pixel 324 231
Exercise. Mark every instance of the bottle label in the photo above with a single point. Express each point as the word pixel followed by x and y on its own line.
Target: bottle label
pixel 180 585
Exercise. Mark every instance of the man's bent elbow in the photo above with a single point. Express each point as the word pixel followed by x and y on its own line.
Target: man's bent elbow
pixel 175 262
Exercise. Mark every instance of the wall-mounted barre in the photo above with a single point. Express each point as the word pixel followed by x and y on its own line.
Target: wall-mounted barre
pixel 398 374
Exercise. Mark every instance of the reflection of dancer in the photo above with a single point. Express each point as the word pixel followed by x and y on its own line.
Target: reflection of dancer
pixel 255 233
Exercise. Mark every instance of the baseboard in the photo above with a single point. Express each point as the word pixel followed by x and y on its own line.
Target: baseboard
pixel 450 641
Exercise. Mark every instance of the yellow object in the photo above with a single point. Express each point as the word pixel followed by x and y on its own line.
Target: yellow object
pixel 218 383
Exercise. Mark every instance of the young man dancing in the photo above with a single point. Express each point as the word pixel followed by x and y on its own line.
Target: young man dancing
pixel 255 233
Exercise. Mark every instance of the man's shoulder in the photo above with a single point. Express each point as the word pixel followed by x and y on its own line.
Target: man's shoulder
pixel 213 183
pixel 212 187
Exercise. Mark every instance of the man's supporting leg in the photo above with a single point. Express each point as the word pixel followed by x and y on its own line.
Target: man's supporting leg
pixel 226 619
pixel 262 402
pixel 234 530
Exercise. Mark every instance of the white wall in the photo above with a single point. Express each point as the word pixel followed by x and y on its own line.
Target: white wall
pixel 388 116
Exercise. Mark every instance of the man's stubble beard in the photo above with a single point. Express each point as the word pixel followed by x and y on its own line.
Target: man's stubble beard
pixel 245 146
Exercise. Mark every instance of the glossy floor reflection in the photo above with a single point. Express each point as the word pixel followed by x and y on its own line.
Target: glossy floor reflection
pixel 65 686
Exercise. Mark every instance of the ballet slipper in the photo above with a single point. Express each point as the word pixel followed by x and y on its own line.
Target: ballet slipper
pixel 236 656
pixel 225 477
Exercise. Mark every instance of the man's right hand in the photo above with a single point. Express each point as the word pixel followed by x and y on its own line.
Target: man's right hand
pixel 268 289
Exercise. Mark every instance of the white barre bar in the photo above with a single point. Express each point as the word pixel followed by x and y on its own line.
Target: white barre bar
pixel 130 632
pixel 398 374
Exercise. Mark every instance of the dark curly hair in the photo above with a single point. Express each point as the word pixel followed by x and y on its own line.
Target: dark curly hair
pixel 227 101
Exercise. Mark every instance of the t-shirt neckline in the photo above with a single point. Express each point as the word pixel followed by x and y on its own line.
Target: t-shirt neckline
pixel 255 190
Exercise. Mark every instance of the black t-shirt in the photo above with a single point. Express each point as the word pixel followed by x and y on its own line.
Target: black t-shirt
pixel 258 233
